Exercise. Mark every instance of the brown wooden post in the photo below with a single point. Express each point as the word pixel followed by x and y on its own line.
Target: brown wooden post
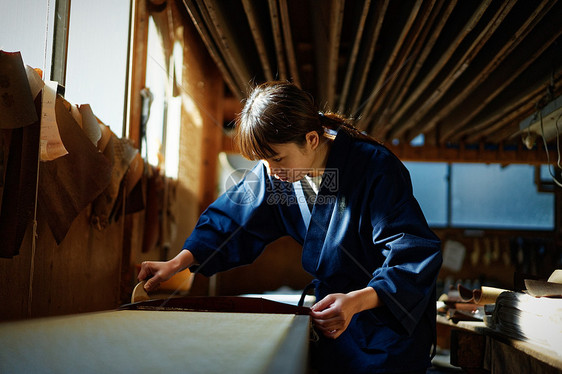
pixel 137 77
pixel 138 68
pixel 211 142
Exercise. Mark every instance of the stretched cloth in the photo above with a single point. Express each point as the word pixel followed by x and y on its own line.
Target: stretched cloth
pixel 125 342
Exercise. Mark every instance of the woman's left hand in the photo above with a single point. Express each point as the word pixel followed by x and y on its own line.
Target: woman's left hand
pixel 332 314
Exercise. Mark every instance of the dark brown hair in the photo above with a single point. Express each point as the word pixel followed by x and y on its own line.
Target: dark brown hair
pixel 279 112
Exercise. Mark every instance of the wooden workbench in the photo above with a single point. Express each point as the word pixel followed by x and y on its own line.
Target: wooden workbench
pixel 145 341
pixel 479 349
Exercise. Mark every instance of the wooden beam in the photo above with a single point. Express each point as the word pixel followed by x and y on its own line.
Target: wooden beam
pixel 459 154
pixel 366 59
pixel 353 56
pixel 409 52
pixel 278 39
pixel 403 124
pixel 228 144
pixel 211 142
pixel 521 107
pixel 336 21
pixel 255 22
pixel 288 38
pixel 138 69
pixel 421 121
pixel 201 26
pixel 499 84
pixel 327 23
pixel 232 107
pixel 226 40
pixel 391 67
pixel 404 88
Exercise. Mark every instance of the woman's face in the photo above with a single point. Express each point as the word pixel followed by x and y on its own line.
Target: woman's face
pixel 292 161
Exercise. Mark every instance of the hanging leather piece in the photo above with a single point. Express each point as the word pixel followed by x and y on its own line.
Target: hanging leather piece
pixel 19 146
pixel 16 100
pixel 69 183
pixel 130 190
pixel 19 152
pixel 120 153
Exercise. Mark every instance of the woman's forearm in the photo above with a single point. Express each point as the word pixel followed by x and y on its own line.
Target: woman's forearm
pixel 365 298
pixel 183 260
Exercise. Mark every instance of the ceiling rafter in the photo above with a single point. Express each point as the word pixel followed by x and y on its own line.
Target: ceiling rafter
pixel 326 28
pixel 256 25
pixel 424 48
pixel 408 54
pixel 494 64
pixel 447 54
pixel 288 38
pixel 507 116
pixel 455 71
pixel 278 38
pixel 420 123
pixel 390 69
pixel 364 66
pixel 223 34
pixel 203 29
pixel 354 54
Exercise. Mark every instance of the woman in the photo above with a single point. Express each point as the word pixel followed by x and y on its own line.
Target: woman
pixel 348 200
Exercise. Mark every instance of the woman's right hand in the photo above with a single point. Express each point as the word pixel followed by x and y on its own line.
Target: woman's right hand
pixel 156 272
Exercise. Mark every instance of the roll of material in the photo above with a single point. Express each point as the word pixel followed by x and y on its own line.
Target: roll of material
pixel 481 296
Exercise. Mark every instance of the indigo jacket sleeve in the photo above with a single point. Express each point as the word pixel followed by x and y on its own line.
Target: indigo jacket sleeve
pixel 412 255
pixel 235 229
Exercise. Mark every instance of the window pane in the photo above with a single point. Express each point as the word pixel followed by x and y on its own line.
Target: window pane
pixel 97 58
pixel 499 197
pixel 24 28
pixel 430 189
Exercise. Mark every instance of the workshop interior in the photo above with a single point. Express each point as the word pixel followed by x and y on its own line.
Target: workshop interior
pixel 117 123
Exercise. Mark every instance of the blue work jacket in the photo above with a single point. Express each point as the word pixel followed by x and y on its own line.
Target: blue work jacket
pixel 366 229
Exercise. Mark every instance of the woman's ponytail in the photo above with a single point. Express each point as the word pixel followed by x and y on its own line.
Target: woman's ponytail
pixel 337 122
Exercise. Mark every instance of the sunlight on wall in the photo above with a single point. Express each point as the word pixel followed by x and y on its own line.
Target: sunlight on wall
pixel 156 78
pixel 173 137
pixel 192 110
pixel 173 124
pixel 165 83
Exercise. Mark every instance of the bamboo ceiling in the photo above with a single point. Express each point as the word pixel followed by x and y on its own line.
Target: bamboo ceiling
pixel 455 71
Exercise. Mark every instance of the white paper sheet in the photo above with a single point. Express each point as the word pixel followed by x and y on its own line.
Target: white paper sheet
pixel 50 144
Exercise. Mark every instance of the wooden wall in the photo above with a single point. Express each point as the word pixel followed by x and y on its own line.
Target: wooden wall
pixel 93 270
pixel 201 95
pixel 494 257
pixel 279 266
pixel 82 274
